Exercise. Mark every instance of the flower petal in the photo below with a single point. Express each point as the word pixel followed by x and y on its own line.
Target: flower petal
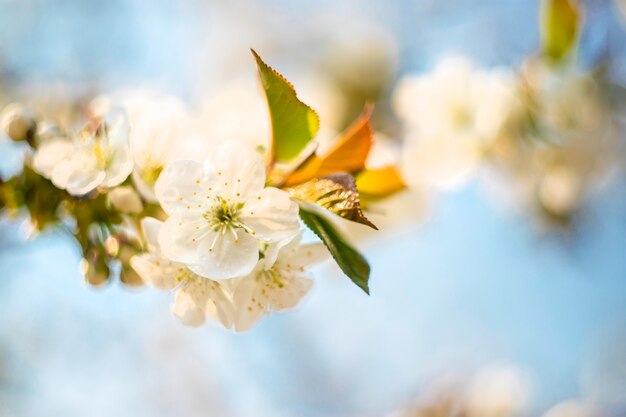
pixel 272 215
pixel 120 167
pixel 220 305
pixel 239 171
pixel 180 237
pixel 299 257
pixel 79 181
pixel 49 154
pixel 190 302
pixel 156 271
pixel 222 256
pixel 248 302
pixel 288 293
pixel 177 184
pixel 151 228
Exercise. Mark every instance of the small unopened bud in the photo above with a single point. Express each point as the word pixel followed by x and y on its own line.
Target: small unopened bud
pixel 95 271
pixel 126 200
pixel 129 277
pixel 111 246
pixel 18 122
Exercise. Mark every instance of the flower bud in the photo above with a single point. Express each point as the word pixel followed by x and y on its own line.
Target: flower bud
pixel 126 200
pixel 95 270
pixel 129 277
pixel 18 122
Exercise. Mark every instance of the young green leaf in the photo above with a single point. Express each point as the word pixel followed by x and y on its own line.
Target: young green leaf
pixel 560 22
pixel 351 262
pixel 294 124
pixel 336 193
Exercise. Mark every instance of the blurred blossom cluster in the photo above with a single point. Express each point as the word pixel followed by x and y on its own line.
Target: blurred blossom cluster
pixel 493 391
pixel 543 138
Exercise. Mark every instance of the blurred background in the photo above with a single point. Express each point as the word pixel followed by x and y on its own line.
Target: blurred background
pixel 474 309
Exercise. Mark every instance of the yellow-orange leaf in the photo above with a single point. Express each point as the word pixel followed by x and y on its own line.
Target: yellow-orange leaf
pixel 380 182
pixel 347 155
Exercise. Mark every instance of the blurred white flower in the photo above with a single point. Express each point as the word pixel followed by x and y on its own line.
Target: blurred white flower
pixel 498 391
pixel 451 116
pixel 195 295
pixel 99 156
pixel 161 131
pixel 237 111
pixel 565 102
pixel 125 199
pixel 572 409
pixel 277 283
pixel 220 211
pixel 564 146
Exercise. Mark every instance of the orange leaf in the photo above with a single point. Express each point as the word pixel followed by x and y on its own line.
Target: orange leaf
pixel 347 155
pixel 380 182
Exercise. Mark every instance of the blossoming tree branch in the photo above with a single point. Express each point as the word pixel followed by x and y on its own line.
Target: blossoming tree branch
pixel 220 227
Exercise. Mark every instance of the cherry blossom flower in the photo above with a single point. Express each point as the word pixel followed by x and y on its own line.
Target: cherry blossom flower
pixel 219 211
pixel 194 294
pixel 277 283
pixel 451 116
pixel 96 157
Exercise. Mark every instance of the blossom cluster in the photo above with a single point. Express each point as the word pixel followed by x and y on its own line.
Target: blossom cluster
pixel 541 138
pixel 149 190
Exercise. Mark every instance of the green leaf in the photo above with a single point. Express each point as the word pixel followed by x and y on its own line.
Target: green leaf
pixel 351 262
pixel 560 22
pixel 294 124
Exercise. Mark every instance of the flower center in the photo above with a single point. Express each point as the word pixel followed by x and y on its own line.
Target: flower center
pixel 150 174
pixel 224 215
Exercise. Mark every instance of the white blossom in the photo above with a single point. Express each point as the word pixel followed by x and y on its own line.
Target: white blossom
pixel 161 131
pixel 451 116
pixel 97 157
pixel 195 295
pixel 277 283
pixel 219 211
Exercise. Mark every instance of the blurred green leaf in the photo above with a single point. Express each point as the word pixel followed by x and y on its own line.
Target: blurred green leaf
pixel 294 124
pixel 351 262
pixel 560 24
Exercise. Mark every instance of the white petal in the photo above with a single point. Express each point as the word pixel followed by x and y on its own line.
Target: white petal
pixel 298 258
pixel 180 237
pixel 288 293
pixel 156 271
pixel 220 305
pixel 146 190
pixel 151 228
pixel 61 172
pixel 223 257
pixel 81 182
pixel 177 184
pixel 239 171
pixel 49 154
pixel 271 214
pixel 118 128
pixel 120 167
pixel 190 302
pixel 271 251
pixel 258 294
pixel 248 303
